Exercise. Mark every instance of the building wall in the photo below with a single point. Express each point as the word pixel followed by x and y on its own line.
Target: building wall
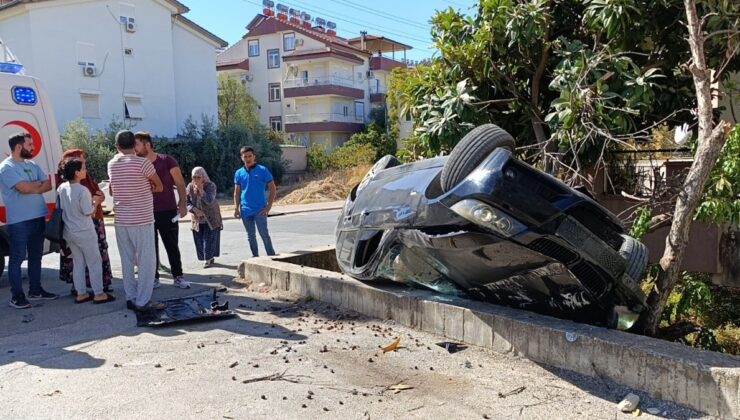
pixel 61 34
pixel 195 81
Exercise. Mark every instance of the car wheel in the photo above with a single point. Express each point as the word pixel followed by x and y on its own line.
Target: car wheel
pixel 470 152
pixel 636 255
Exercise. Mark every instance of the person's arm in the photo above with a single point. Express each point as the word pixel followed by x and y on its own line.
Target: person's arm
pixel 209 193
pixel 271 199
pixel 156 183
pixel 237 200
pixel 33 187
pixel 45 180
pixel 87 203
pixel 180 185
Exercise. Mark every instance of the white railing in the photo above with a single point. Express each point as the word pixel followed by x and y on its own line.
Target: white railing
pixel 321 81
pixel 378 89
pixel 323 117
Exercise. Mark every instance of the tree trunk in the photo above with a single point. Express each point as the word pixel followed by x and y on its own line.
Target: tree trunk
pixel 708 151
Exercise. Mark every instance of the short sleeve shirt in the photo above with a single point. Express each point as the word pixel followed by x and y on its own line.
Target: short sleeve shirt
pixel 165 200
pixel 252 183
pixel 76 203
pixel 20 207
pixel 132 193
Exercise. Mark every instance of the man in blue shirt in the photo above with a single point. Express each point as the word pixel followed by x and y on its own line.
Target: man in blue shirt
pixel 23 185
pixel 249 199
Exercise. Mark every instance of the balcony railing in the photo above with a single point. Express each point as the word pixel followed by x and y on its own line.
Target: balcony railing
pixel 323 117
pixel 378 90
pixel 322 81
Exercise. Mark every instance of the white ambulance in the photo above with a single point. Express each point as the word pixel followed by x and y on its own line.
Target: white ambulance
pixel 26 107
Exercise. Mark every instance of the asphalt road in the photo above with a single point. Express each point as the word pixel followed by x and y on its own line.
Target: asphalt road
pixel 282 357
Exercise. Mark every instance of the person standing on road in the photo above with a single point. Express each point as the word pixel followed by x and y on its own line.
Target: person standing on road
pixel 206 221
pixel 23 186
pixel 167 210
pixel 249 199
pixel 66 264
pixel 78 206
pixel 132 181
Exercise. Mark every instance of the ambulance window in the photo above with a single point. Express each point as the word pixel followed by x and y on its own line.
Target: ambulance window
pixel 90 105
pixel 133 108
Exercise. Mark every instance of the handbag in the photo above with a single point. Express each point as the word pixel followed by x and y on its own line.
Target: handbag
pixel 55 226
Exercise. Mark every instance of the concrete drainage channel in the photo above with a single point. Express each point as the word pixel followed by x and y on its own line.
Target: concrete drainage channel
pixel 704 381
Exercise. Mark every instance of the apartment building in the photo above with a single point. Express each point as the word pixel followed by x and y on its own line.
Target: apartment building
pixel 310 83
pixel 141 61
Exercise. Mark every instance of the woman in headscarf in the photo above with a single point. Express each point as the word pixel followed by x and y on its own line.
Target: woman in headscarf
pixel 206 216
pixel 66 265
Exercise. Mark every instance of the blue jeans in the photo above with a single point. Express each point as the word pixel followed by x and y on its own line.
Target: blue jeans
pixel 261 222
pixel 26 237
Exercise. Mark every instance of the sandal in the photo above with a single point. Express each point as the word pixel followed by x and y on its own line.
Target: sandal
pixel 108 298
pixel 88 297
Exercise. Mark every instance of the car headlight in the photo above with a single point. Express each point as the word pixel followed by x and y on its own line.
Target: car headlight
pixel 488 216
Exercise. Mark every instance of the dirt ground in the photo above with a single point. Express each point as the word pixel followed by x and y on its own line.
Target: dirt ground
pixel 329 186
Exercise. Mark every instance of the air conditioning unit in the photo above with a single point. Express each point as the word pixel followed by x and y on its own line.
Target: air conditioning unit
pixel 370 75
pixel 130 25
pixel 89 70
pixel 246 78
pixel 299 42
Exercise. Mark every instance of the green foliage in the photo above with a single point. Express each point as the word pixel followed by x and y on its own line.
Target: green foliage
pixel 353 154
pixel 318 158
pixel 98 146
pixel 721 202
pixel 594 70
pixel 374 136
pixel 235 105
pixel 199 144
pixel 378 117
pixel 641 225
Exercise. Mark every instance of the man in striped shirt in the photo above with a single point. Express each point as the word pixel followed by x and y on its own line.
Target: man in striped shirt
pixel 132 181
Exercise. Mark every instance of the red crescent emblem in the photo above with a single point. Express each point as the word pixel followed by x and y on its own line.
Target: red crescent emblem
pixel 35 136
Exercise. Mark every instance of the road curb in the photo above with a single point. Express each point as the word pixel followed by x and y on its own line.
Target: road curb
pixel 280 211
pixel 705 381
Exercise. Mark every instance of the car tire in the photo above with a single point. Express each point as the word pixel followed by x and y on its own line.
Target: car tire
pixel 636 255
pixel 470 152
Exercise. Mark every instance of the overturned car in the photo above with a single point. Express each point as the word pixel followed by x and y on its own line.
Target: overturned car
pixel 480 223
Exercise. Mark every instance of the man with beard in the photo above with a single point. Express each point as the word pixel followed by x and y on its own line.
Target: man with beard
pixel 23 186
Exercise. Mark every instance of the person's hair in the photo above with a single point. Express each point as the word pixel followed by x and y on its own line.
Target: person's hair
pixel 125 140
pixel 70 166
pixel 200 171
pixel 246 149
pixel 17 139
pixel 143 136
pixel 74 153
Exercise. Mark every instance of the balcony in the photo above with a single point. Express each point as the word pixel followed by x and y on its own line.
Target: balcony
pixel 384 63
pixel 378 94
pixel 317 86
pixel 334 121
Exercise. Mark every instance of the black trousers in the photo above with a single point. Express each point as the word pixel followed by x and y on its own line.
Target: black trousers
pixel 169 232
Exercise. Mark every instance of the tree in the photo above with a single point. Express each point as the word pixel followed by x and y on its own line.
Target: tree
pixel 235 105
pixel 569 79
pixel 711 140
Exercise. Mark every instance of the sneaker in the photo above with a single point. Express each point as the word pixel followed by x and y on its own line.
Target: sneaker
pixel 181 283
pixel 156 283
pixel 207 263
pixel 42 294
pixel 19 302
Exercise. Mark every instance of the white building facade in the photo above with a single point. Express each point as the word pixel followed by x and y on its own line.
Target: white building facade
pixel 140 61
pixel 313 85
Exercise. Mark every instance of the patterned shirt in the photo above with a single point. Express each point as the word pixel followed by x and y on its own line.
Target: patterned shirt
pixel 132 192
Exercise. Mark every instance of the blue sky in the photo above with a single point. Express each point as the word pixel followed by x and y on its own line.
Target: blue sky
pixel 403 21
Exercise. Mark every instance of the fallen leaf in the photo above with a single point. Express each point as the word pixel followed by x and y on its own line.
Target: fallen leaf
pixel 636 413
pixel 393 346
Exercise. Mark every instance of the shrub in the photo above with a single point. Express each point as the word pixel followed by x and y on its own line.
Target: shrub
pixel 99 148
pixel 352 154
pixel 382 143
pixel 318 158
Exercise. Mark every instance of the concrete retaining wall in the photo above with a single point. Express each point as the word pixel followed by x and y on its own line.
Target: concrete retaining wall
pixel 704 381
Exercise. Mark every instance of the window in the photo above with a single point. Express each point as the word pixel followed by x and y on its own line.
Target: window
pixel 273 90
pixel 273 59
pixel 408 116
pixel 345 110
pixel 360 111
pixel 304 77
pixel 133 108
pixel 289 41
pixel 276 123
pixel 254 47
pixel 90 105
